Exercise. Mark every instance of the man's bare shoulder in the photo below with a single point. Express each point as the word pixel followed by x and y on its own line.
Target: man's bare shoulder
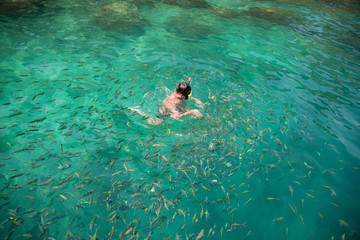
pixel 170 100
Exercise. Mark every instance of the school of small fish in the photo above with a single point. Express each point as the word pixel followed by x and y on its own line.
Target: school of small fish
pixel 83 171
pixel 77 164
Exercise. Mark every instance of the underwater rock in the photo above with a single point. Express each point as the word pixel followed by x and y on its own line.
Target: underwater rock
pixel 350 38
pixel 142 3
pixel 188 3
pixel 349 5
pixel 341 2
pixel 188 28
pixel 17 7
pixel 225 12
pixel 120 17
pixel 276 15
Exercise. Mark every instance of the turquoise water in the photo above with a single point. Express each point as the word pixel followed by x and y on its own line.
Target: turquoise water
pixel 276 155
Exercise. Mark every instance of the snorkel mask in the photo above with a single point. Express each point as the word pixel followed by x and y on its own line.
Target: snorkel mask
pixel 189 95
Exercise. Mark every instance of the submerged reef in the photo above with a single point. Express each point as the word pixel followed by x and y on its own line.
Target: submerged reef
pixel 275 15
pixel 188 3
pixel 143 3
pixel 350 38
pixel 348 5
pixel 120 16
pixel 225 12
pixel 185 27
pixel 270 15
pixel 19 7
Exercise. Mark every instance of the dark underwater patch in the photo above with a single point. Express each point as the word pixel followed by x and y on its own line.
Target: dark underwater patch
pixel 188 3
pixel 274 15
pixel 185 27
pixel 122 17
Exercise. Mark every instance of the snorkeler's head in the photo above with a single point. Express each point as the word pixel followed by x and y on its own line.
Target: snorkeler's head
pixel 184 89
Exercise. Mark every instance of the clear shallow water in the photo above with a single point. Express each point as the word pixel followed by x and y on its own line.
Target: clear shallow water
pixel 276 153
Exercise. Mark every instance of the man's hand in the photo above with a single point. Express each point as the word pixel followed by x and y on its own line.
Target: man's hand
pixel 176 115
pixel 196 113
pixel 197 102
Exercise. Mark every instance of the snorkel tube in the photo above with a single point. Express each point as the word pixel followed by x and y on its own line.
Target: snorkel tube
pixel 189 86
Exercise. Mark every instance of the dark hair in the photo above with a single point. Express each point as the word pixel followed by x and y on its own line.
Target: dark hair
pixel 184 89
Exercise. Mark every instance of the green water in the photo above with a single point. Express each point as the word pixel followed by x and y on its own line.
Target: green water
pixel 276 155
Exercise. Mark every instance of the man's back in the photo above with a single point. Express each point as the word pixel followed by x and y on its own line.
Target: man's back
pixel 174 104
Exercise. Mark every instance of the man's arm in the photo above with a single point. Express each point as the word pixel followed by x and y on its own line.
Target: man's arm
pixel 178 115
pixel 197 101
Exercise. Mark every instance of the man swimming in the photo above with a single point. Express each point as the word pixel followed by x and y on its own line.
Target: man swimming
pixel 175 105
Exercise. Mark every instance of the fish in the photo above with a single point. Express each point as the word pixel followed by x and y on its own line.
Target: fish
pixel 173 217
pixel 163 157
pixel 333 193
pixel 92 222
pixel 29 211
pixel 270 198
pixel 183 227
pixel 343 223
pixel 62 196
pixel 47 182
pixel 95 234
pixel 51 138
pixel 158 145
pixel 17 175
pixel 302 220
pixel 15 114
pixel 235 226
pixel 292 208
pixel 207 189
pixel 64 166
pixel 308 166
pixel 207 215
pixel 26 235
pixel 233 210
pixel 247 201
pixel 200 235
pixel 334 204
pixel 86 194
pixel 291 191
pixel 30 197
pixel 149 235
pixel 110 234
pixel 66 179
pixel 38 120
pixel 127 231
pixel 136 195
pixel 310 196
pixel 278 219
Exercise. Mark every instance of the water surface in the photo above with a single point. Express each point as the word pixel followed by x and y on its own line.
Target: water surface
pixel 276 155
